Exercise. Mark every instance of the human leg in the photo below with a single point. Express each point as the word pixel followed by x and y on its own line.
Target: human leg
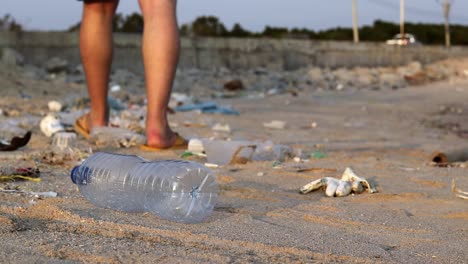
pixel 96 50
pixel 160 56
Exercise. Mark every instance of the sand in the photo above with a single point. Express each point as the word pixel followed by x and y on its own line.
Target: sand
pixel 260 217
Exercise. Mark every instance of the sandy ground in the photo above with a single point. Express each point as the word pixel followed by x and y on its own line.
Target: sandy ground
pixel 385 136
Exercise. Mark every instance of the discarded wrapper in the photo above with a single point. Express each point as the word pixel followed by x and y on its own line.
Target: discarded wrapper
pixel 458 192
pixel 16 142
pixel 348 183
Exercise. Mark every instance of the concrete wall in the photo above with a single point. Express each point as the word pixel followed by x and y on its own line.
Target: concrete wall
pixel 233 53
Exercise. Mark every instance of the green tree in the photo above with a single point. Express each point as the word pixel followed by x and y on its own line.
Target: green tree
pixel 8 23
pixel 208 26
pixel 275 32
pixel 132 23
pixel 238 31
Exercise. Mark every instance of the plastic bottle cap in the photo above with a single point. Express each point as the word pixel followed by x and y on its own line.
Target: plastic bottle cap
pixel 73 174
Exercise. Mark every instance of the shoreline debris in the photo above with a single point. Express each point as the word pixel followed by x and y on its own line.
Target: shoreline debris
pixel 349 183
pixel 458 192
pixel 16 142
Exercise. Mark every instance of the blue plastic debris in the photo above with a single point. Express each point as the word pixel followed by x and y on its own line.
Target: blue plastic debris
pixel 208 108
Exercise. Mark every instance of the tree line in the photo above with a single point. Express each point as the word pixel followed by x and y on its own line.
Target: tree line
pixel 211 26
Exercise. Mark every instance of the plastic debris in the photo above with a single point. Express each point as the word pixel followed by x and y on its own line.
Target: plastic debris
pixel 458 192
pixel 115 137
pixel 319 155
pixel 15 143
pixel 63 140
pixel 37 194
pixel 10 173
pixel 115 88
pixel 348 183
pixel 228 152
pixel 207 108
pixel 51 124
pixel 195 145
pixel 55 106
pixel 218 127
pixel 275 124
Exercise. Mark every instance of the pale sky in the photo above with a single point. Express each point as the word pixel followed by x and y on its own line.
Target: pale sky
pixel 253 15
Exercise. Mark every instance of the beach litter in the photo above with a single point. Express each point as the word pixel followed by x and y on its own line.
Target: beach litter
pixel 458 192
pixel 448 159
pixel 116 137
pixel 275 124
pixel 10 173
pixel 349 183
pixel 223 152
pixel 36 194
pixel 15 143
pixel 51 124
pixel 207 108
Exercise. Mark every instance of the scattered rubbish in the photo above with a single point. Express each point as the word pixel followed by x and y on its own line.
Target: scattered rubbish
pixel 51 124
pixel 228 152
pixel 55 106
pixel 208 108
pixel 63 140
pixel 441 159
pixel 457 192
pixel 10 173
pixel 195 145
pixel 178 99
pixel 211 165
pixel 349 182
pixel 115 137
pixel 269 151
pixel 187 193
pixel 218 127
pixel 56 65
pixel 319 155
pixel 300 167
pixel 234 85
pixel 193 124
pixel 275 124
pixel 115 104
pixel 115 88
pixel 15 143
pixel 37 194
pixel 190 154
pixel 260 174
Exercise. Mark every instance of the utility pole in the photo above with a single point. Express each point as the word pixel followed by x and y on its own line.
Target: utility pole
pixel 355 23
pixel 402 18
pixel 446 6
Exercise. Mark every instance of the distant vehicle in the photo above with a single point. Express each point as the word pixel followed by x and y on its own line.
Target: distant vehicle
pixel 405 39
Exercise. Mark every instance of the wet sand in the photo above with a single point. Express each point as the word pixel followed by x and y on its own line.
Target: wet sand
pixel 260 217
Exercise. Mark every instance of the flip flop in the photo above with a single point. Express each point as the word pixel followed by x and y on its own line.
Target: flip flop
pixel 81 127
pixel 180 143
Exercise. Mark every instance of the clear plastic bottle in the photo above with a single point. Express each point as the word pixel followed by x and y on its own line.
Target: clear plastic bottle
pixel 183 191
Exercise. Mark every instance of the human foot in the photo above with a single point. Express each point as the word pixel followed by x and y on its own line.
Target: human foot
pixel 156 144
